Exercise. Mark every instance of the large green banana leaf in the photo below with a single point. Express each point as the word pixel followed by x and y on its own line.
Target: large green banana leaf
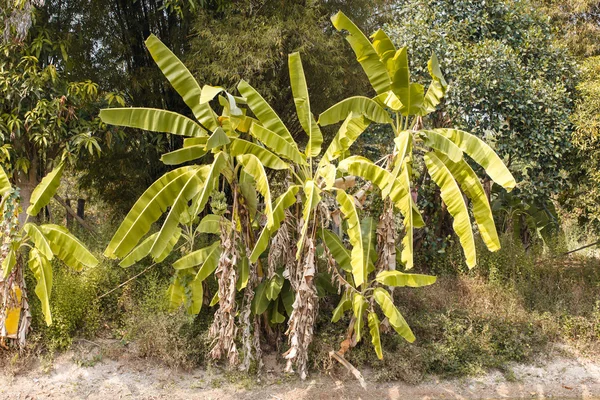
pixel 344 305
pixel 358 260
pixel 358 105
pixel 8 263
pixel 219 138
pixel 143 249
pixel 39 240
pixel 42 271
pixel 471 186
pixel 247 187
pixel 4 182
pixel 383 46
pixel 437 88
pixel 210 179
pixel 152 119
pixel 359 306
pixel 365 53
pixel 176 292
pixel 191 186
pixel 182 81
pixel 253 167
pixel 206 258
pixel 407 207
pixel 397 321
pixel 441 144
pixel 212 224
pixel 45 190
pixel 265 114
pixel 274 286
pixel 400 74
pixel 277 144
pixel 283 202
pixel 453 198
pixel 312 198
pixel 267 158
pixel 368 227
pixel 483 155
pixel 400 279
pixel 375 335
pixel 340 254
pixel 149 207
pixel 403 144
pixel 68 248
pixel 302 102
pixel 184 154
pixel 349 131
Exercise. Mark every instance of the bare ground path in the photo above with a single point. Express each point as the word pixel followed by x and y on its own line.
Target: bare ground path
pixel 141 379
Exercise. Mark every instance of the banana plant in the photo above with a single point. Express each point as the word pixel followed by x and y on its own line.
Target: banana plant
pixel 230 182
pixel 40 245
pixel 402 104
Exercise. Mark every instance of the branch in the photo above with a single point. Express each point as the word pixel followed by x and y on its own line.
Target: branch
pixel 74 215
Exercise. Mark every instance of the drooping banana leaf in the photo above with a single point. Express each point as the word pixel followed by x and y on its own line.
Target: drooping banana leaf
pixel 42 271
pixel 45 190
pixel 359 306
pixel 149 207
pixel 143 249
pixel 482 211
pixel 196 297
pixel 152 119
pixel 184 154
pixel 359 105
pixel 408 209
pixel 267 158
pixel 191 186
pixel 358 260
pixel 302 102
pixel 312 196
pixel 182 81
pixel 39 240
pixel 210 178
pixel 375 335
pixel 397 321
pixel 252 166
pixel 453 198
pixel 283 202
pixel 365 53
pixel 260 302
pixel 340 254
pixel 212 224
pixel 349 131
pixel 403 144
pixel 274 286
pixel 68 248
pixel 368 228
pixel 8 263
pixel 383 46
pixel 277 144
pixel 4 182
pixel 482 154
pixel 441 144
pixel 175 293
pixel 400 279
pixel 344 305
pixel 437 88
pixel 265 114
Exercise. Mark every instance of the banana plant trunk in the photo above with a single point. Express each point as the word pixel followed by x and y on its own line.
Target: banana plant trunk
pixel 15 317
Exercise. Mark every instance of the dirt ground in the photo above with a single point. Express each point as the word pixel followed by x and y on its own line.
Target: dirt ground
pixel 71 376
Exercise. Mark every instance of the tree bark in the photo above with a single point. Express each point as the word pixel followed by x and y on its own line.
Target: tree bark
pixel 26 182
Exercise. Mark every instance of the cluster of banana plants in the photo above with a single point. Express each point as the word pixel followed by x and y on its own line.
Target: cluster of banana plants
pixel 40 244
pixel 264 248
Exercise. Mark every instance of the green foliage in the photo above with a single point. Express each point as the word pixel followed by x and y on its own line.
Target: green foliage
pixel 505 70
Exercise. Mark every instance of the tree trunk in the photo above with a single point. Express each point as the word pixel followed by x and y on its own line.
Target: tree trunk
pixel 69 216
pixel 80 208
pixel 26 182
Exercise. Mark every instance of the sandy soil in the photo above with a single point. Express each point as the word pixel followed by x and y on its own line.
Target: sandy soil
pixel 125 378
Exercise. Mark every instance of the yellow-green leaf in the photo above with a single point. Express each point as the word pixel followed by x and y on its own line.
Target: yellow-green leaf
pixel 182 81
pixel 340 254
pixel 152 119
pixel 365 52
pixel 267 158
pixel 42 271
pixel 375 336
pixel 302 102
pixel 453 198
pixel 184 154
pixel 441 144
pixel 483 155
pixel 397 321
pixel 68 248
pixel 358 105
pixel 39 240
pixel 359 306
pixel 344 305
pixel 400 279
pixel 349 131
pixel 277 144
pixel 254 167
pixel 45 190
pixel 312 197
pixel 4 182
pixel 358 260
